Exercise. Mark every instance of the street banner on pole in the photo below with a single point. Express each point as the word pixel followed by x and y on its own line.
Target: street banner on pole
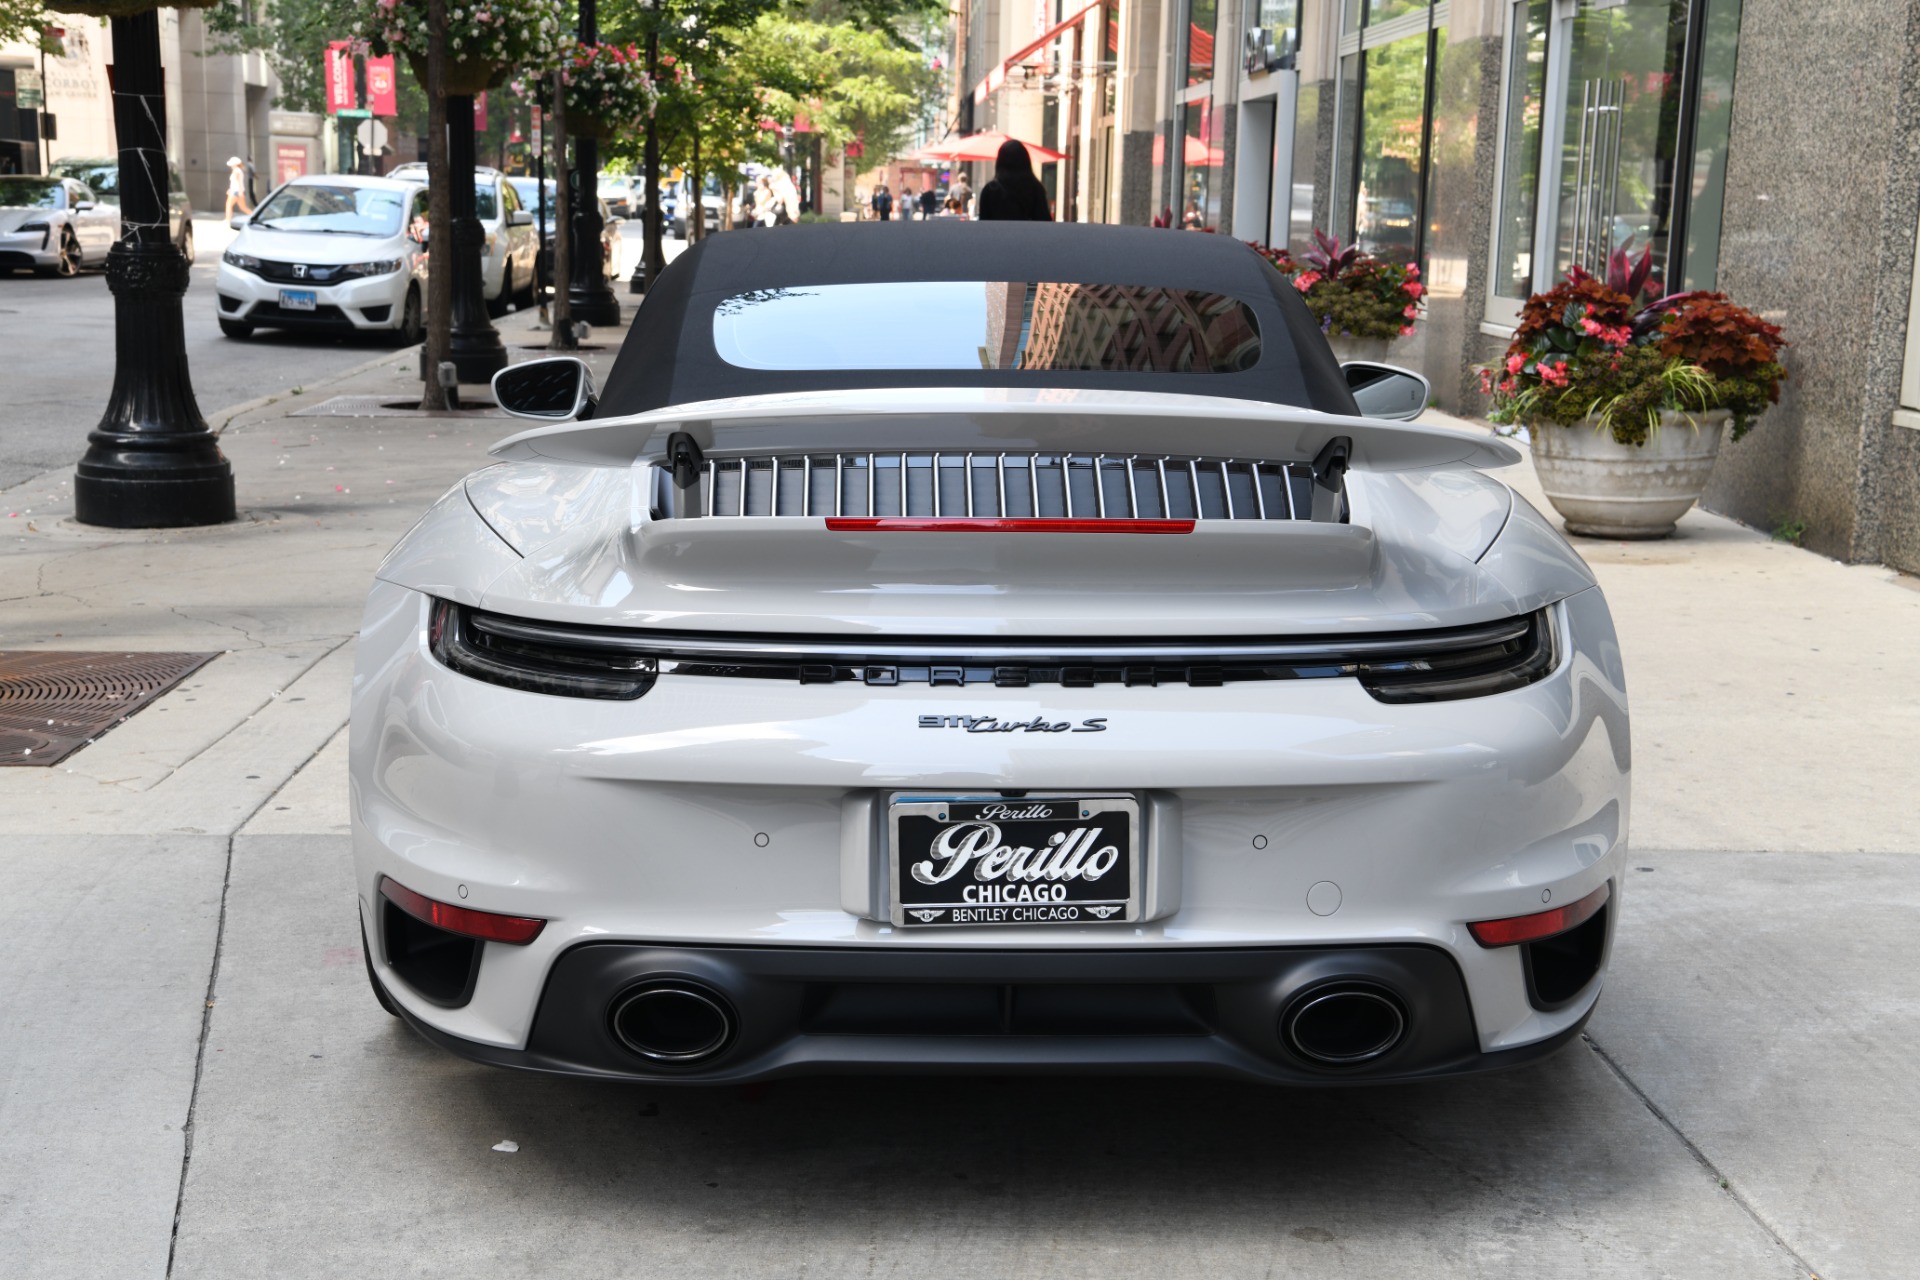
pixel 383 91
pixel 339 77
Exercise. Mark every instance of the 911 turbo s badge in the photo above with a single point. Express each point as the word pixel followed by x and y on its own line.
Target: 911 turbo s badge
pixel 993 724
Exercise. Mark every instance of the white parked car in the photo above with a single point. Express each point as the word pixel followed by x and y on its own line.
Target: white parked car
pixel 507 255
pixel 1013 650
pixel 54 225
pixel 329 252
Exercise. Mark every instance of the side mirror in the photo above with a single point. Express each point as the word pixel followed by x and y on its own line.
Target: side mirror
pixel 551 390
pixel 237 221
pixel 84 205
pixel 1387 391
pixel 519 218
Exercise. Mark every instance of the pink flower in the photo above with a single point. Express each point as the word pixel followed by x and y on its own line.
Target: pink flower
pixel 1306 280
pixel 1413 272
pixel 1413 287
pixel 1554 375
pixel 1411 312
pixel 1516 363
pixel 1486 382
pixel 1406 331
pixel 1506 386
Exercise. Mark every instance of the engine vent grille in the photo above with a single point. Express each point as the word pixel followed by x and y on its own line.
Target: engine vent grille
pixel 926 485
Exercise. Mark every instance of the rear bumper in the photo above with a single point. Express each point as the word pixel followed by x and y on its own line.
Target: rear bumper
pixel 802 1011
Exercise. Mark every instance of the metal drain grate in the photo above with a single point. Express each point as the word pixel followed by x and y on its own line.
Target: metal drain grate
pixel 54 703
pixel 472 405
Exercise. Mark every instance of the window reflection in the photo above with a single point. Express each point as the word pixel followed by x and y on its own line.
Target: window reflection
pixel 997 325
pixel 1520 165
pixel 1392 149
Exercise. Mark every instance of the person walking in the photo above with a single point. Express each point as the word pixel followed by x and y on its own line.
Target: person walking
pixel 1014 195
pixel 882 203
pixel 929 200
pixel 962 194
pixel 763 202
pixel 237 187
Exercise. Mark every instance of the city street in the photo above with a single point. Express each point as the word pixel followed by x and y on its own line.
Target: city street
pixel 60 335
pixel 198 1082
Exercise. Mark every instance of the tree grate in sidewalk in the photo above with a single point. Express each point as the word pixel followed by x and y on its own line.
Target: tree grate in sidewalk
pixel 472 405
pixel 52 703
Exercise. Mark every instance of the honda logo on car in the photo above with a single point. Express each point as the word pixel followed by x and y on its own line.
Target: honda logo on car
pixel 1032 875
pixel 993 724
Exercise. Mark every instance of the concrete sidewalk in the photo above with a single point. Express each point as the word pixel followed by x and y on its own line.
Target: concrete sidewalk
pixel 198 1083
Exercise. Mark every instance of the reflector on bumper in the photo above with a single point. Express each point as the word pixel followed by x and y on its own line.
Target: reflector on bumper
pixel 488 926
pixel 1542 924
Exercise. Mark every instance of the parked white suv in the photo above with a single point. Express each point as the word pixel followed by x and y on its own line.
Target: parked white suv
pixel 331 251
pixel 507 255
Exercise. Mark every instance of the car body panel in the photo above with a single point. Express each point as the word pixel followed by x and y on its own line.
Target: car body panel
pixel 94 225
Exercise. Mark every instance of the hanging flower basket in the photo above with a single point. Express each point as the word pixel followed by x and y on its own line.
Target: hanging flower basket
pixel 608 90
pixel 465 76
pixel 486 41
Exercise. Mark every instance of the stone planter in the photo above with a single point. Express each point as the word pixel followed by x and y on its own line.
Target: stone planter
pixel 1370 350
pixel 1606 489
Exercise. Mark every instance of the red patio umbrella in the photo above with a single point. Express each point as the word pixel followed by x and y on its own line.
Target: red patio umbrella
pixel 982 146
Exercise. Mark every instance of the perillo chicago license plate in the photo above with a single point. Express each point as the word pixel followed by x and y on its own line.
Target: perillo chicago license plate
pixel 960 860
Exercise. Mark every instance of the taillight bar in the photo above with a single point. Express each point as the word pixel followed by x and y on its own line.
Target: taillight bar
pixel 1541 924
pixel 993 524
pixel 488 926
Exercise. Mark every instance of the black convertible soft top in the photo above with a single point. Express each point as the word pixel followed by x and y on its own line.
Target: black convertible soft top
pixel 669 355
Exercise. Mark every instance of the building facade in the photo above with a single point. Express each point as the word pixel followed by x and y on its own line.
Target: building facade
pixel 219 105
pixel 1766 148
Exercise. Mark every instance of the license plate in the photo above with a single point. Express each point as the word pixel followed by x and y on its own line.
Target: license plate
pixel 966 860
pixel 296 299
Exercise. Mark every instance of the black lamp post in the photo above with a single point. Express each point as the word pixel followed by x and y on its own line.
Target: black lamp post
pixel 152 463
pixel 588 293
pixel 475 349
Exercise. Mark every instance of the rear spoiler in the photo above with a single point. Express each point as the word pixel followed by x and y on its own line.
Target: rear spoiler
pixel 1002 420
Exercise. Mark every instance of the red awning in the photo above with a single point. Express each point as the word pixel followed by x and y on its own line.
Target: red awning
pixel 981 146
pixel 998 76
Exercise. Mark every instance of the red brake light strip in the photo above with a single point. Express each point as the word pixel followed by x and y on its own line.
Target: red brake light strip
pixel 1542 924
pixel 990 524
pixel 489 926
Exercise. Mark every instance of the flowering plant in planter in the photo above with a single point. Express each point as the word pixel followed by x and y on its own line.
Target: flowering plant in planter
pixel 486 39
pixel 1353 294
pixel 1588 348
pixel 608 89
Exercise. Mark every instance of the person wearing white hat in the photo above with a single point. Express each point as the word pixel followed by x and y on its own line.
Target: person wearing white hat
pixel 237 186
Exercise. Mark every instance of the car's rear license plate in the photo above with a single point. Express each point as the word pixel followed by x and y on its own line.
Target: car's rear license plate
pixel 296 299
pixel 968 860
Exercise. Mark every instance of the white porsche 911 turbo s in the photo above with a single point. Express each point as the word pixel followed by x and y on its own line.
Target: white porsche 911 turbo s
pixel 1010 651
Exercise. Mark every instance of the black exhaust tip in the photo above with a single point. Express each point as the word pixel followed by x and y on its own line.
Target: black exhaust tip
pixel 673 1022
pixel 1344 1024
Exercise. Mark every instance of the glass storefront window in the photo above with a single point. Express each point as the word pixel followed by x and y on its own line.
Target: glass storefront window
pixel 1202 18
pixel 1391 149
pixel 1712 124
pixel 1346 127
pixel 1306 134
pixel 1519 198
pixel 1280 19
pixel 1201 158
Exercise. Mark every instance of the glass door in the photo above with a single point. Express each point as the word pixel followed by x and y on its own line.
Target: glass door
pixel 1620 117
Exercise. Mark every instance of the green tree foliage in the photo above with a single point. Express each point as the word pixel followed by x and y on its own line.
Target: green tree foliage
pixel 24 20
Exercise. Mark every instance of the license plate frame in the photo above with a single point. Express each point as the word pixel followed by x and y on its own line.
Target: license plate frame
pixel 915 822
pixel 298 300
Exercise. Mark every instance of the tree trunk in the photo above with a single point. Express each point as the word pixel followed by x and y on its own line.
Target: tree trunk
pixel 696 191
pixel 562 338
pixel 726 206
pixel 439 214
